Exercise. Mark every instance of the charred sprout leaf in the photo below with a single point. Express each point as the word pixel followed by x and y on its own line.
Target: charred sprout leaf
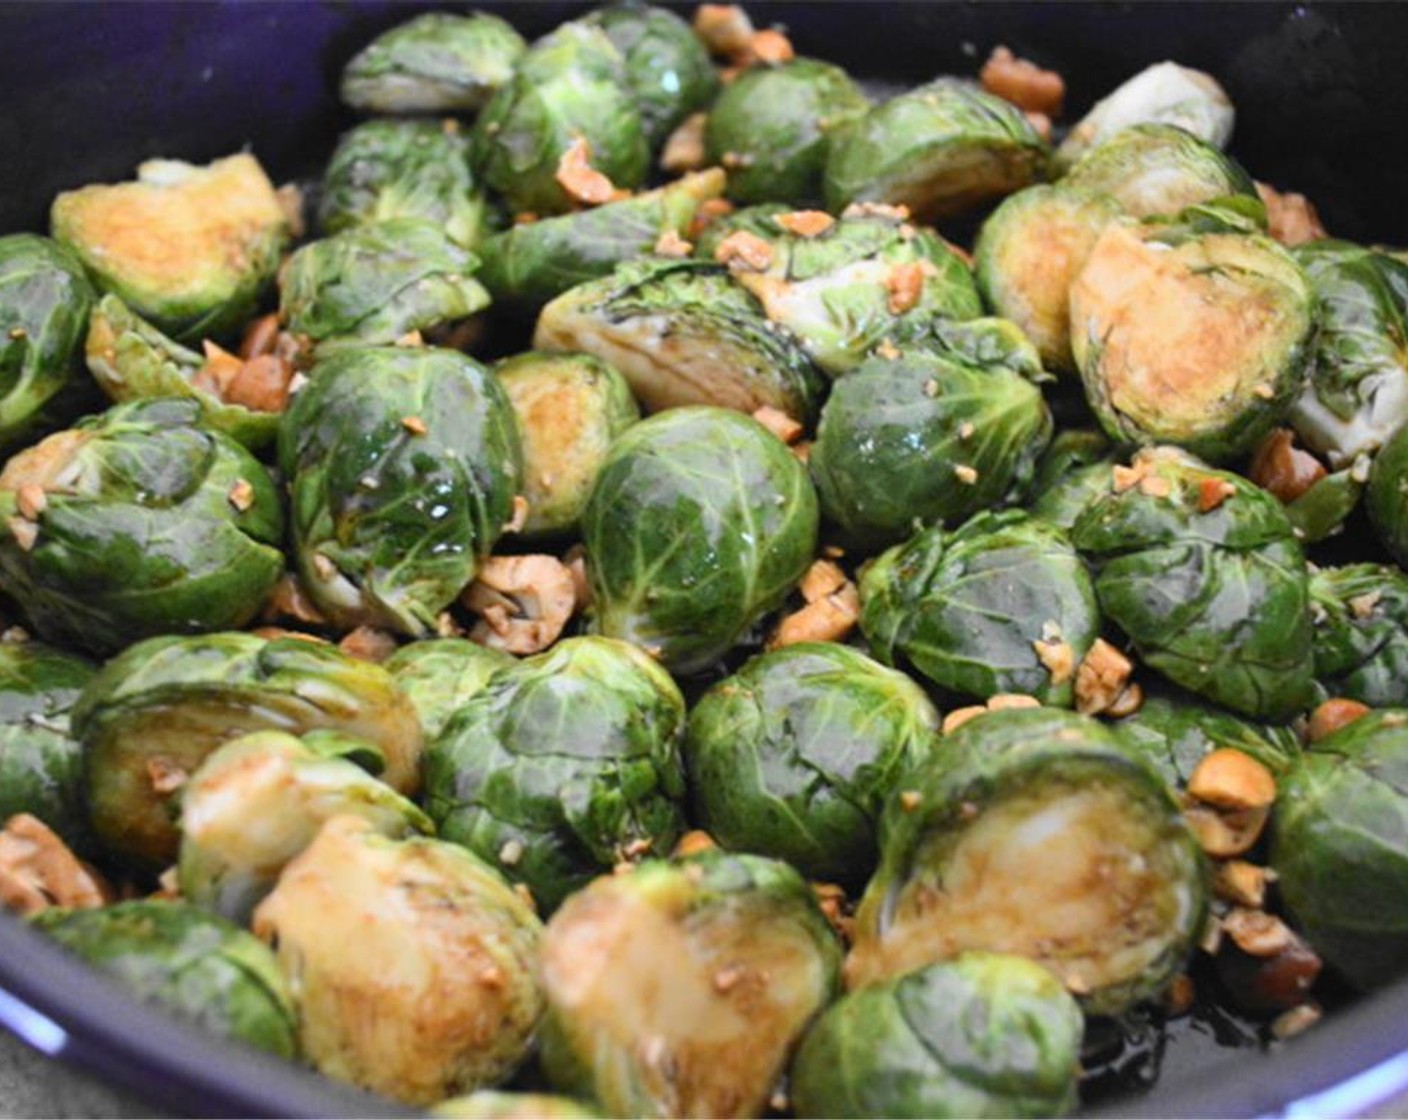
pixel 680 989
pixel 684 333
pixel 984 1034
pixel 700 523
pixel 570 409
pixel 1001 604
pixel 1386 496
pixel 191 249
pixel 491 1104
pixel 434 63
pixel 1361 633
pixel 563 766
pixel 155 712
pixel 440 675
pixel 938 149
pixel 137 523
pixel 772 126
pixel 200 966
pixel 412 963
pixel 1202 570
pixel 1075 468
pixel 404 464
pixel 1122 892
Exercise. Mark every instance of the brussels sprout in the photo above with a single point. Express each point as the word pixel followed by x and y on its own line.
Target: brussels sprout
pixel 758 219
pixel 926 437
pixel 667 68
pixel 1121 894
pixel 533 262
pixel 1338 846
pixel 683 333
pixel 404 464
pixel 984 1034
pixel 1358 391
pixel 1321 511
pixel 793 756
pixel 570 89
pixel 41 764
pixel 413 965
pixel 1204 573
pixel 189 248
pixel 700 523
pixel 563 766
pixel 489 1104
pixel 440 675
pixel 135 523
pixel 1197 339
pixel 134 361
pixel 200 966
pixel 680 989
pixel 45 300
pixel 1075 468
pixel 158 709
pixel 773 125
pixel 1152 169
pixel 1029 251
pixel 434 63
pixel 1164 93
pixel 570 408
pixel 938 149
pixel 1001 604
pixel 258 801
pixel 1386 496
pixel 1361 633
pixel 388 169
pixel 372 284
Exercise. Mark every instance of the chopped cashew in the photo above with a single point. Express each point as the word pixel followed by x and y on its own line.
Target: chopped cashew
pixel 693 842
pixel 671 244
pixel 1102 678
pixel 828 619
pixel 260 337
pixel 38 871
pixel 1223 833
pixel 582 182
pixel 1291 218
pixel 524 602
pixel 1232 779
pixel 1281 468
pixel 1330 716
pixel 241 495
pixel 744 250
pixel 1023 83
pixel 1296 1020
pixel 709 211
pixel 1057 658
pixel 31 500
pixel 1006 701
pixel 724 29
pixel 685 149
pixel 788 430
pixel 1240 882
pixel 1257 933
pixel 905 283
pixel 367 643
pixel 959 716
pixel 770 47
pixel 1212 492
pixel 805 223
pixel 288 600
pixel 821 579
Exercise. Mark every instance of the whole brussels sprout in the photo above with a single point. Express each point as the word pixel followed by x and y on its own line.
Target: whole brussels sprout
pixel 1075 469
pixel 700 523
pixel 257 801
pixel 200 966
pixel 1338 846
pixel 683 333
pixel 439 675
pixel 1386 496
pixel 1361 633
pixel 570 409
pixel 562 766
pixel 191 249
pixel 415 965
pixel 155 712
pixel 938 149
pixel 772 126
pixel 1000 604
pixel 1203 572
pixel 490 1104
pixel 933 435
pixel 45 300
pixel 435 63
pixel 793 756
pixel 1121 894
pixel 984 1034
pixel 134 523
pixel 372 284
pixel 386 169
pixel 680 989
pixel 404 464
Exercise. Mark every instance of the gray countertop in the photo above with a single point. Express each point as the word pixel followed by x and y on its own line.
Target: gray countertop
pixel 32 1084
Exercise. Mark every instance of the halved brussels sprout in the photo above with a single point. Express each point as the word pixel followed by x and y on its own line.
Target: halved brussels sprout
pixel 1386 496
pixel 134 523
pixel 938 149
pixel 202 967
pixel 1000 604
pixel 404 463
pixel 413 965
pixel 984 1034
pixel 372 284
pixel 1203 571
pixel 1075 468
pixel 1121 894
pixel 437 62
pixel 1361 633
pixel 570 409
pixel 563 766
pixel 440 675
pixel 45 300
pixel 684 334
pixel 700 523
pixel 158 709
pixel 490 1104
pixel 793 756
pixel 189 248
pixel 771 127
pixel 680 989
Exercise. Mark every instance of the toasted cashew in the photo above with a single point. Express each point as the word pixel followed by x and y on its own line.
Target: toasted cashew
pixel 38 871
pixel 523 602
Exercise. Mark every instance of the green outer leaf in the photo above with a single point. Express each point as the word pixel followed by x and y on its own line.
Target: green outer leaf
pixel 1361 633
pixel 1074 469
pixel 440 675
pixel 1386 497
